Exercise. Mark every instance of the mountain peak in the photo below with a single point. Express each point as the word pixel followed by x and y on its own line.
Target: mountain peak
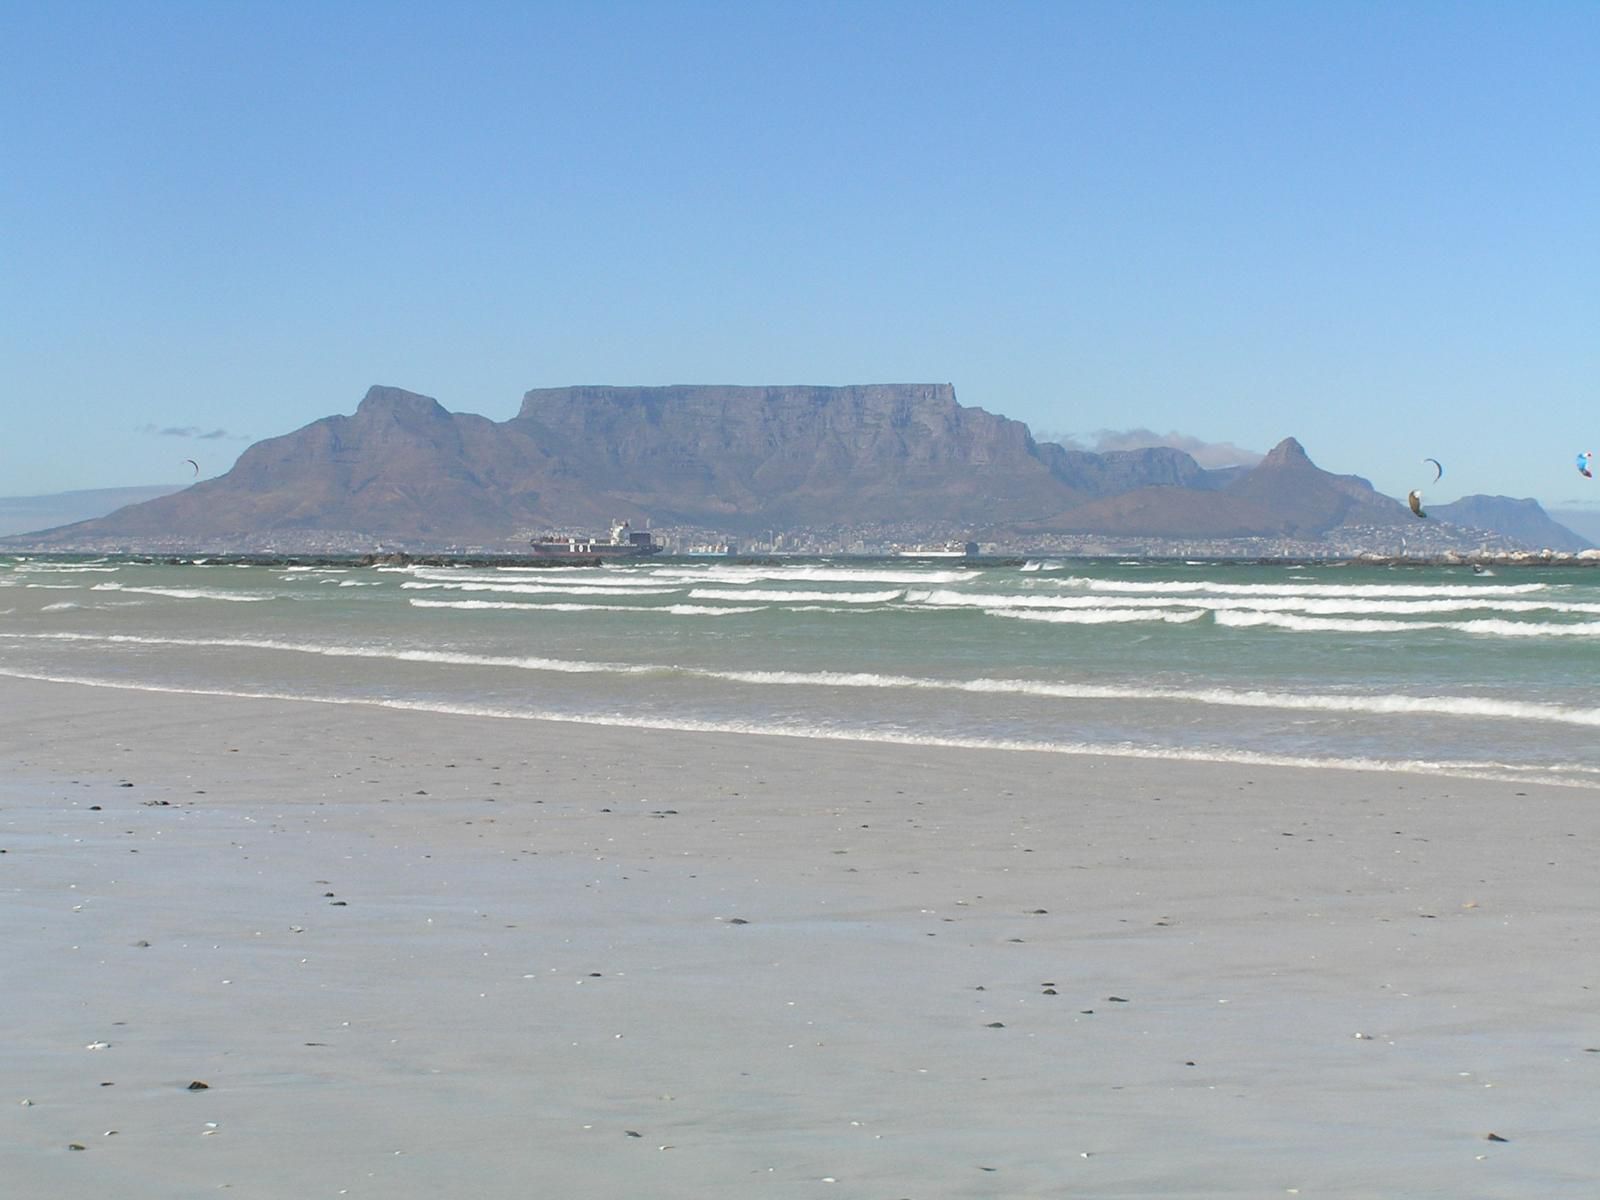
pixel 398 402
pixel 1287 453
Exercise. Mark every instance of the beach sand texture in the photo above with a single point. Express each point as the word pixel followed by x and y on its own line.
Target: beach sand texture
pixel 415 955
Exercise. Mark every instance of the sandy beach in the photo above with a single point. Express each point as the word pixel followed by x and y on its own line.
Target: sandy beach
pixel 415 955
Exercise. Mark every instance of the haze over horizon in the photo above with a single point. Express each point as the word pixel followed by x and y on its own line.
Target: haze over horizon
pixel 1368 228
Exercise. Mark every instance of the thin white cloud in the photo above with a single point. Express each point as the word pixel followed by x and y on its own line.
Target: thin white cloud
pixel 1210 455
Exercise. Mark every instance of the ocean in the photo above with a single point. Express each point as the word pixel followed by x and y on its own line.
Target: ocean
pixel 1399 668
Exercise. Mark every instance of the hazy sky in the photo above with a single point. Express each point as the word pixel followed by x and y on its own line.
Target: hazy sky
pixel 1373 226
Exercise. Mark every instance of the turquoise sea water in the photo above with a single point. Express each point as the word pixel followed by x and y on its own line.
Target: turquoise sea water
pixel 1409 668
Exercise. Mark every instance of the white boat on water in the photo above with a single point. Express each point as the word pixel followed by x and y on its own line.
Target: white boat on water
pixel 948 550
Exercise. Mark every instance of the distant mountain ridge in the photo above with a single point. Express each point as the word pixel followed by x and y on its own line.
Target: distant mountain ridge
pixel 1524 520
pixel 403 470
pixel 19 514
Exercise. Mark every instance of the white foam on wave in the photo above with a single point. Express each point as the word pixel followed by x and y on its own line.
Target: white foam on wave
pixel 787 596
pixel 1202 586
pixel 184 593
pixel 951 598
pixel 1349 703
pixel 677 610
pixel 1357 704
pixel 1507 772
pixel 1100 616
pixel 63 569
pixel 779 574
pixel 354 582
pixel 588 578
pixel 538 589
pixel 530 663
pixel 1486 627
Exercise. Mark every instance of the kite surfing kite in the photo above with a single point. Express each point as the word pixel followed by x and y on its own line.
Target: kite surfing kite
pixel 1414 498
pixel 1584 460
pixel 195 465
pixel 1438 468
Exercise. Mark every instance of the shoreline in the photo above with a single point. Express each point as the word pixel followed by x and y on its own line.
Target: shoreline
pixel 1504 773
pixel 423 558
pixel 863 968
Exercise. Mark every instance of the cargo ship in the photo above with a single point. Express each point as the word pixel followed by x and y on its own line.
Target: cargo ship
pixel 948 550
pixel 624 542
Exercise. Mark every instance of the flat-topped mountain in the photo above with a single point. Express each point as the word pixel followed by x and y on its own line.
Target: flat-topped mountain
pixel 404 471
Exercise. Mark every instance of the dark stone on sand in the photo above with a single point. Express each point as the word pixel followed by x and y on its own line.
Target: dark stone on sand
pixel 1049 992
pixel 1040 912
pixel 996 1025
pixel 632 1133
pixel 338 904
pixel 124 785
pixel 197 1086
pixel 738 921
pixel 107 1083
pixel 95 808
pixel 1117 999
pixel 1495 1137
pixel 75 1146
pixel 142 944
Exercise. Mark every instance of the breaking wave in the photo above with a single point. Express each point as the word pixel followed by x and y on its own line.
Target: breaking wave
pixel 1099 616
pixel 1486 627
pixel 184 593
pixel 1200 586
pixel 676 610
pixel 1126 750
pixel 1353 703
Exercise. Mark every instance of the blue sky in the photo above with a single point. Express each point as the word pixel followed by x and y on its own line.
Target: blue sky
pixel 1369 226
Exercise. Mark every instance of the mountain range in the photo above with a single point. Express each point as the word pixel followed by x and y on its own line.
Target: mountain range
pixel 902 461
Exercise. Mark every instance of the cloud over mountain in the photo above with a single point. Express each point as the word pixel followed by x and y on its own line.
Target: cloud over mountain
pixel 1210 455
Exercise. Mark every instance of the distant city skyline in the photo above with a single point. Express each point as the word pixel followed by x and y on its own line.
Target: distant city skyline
pixel 1367 227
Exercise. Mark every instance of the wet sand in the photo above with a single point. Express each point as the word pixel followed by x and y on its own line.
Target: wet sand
pixel 416 955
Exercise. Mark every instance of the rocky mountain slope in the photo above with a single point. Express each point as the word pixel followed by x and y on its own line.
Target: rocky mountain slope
pixel 1523 520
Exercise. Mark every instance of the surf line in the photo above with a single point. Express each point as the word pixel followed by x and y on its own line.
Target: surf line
pixel 1461 707
pixel 1494 772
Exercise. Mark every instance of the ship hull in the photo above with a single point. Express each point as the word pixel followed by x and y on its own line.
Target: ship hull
pixel 589 550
